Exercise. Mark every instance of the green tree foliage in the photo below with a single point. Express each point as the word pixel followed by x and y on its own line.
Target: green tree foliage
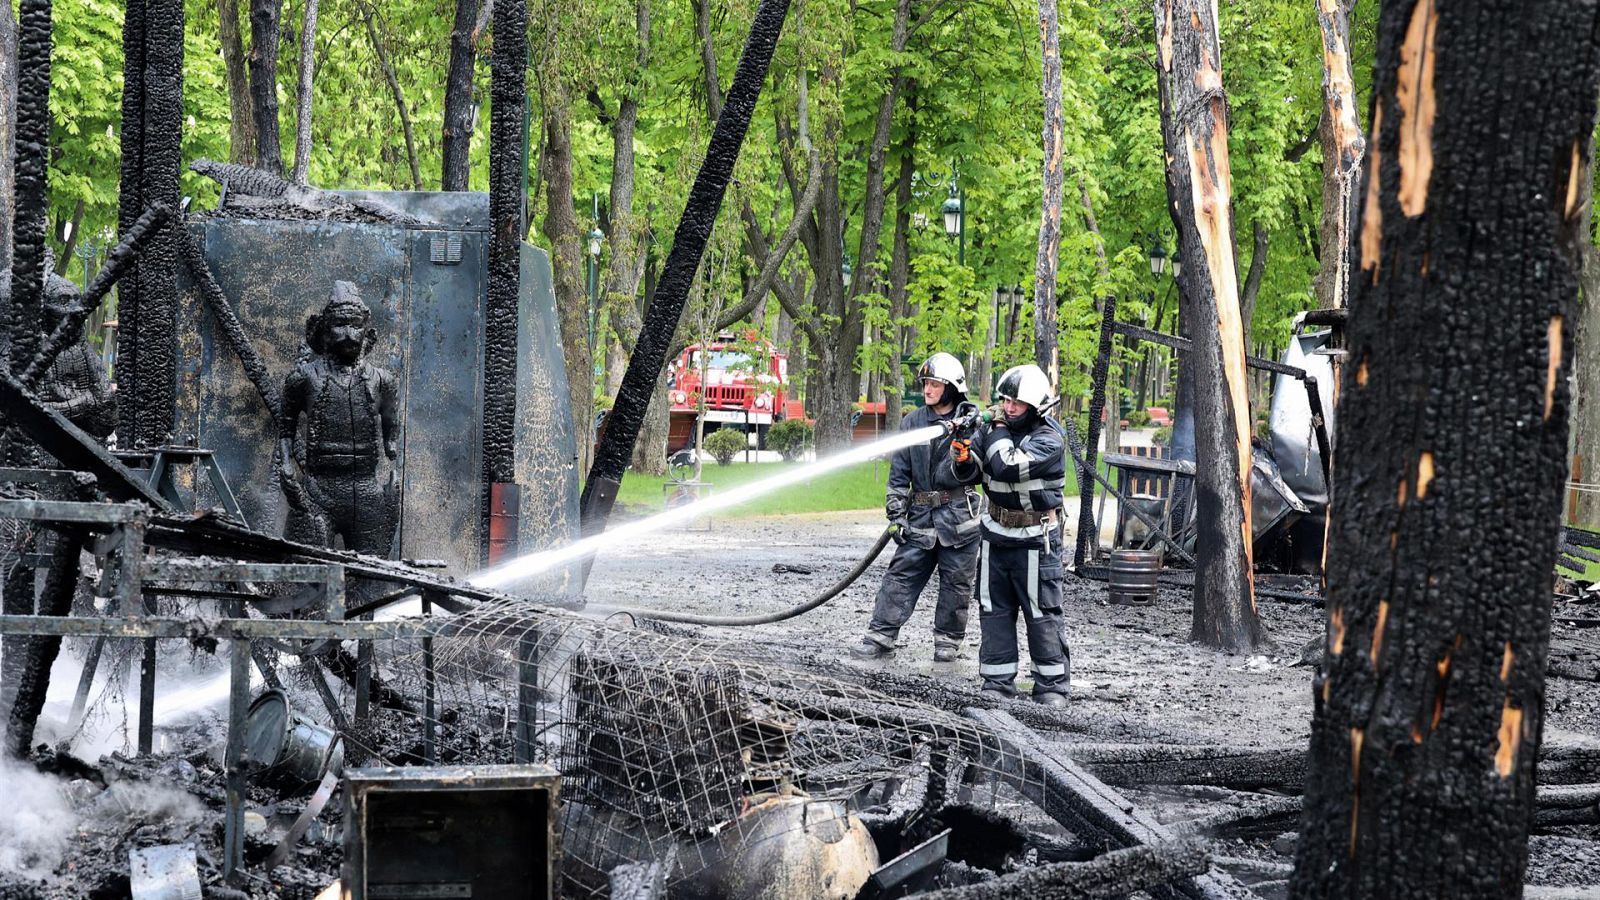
pixel 970 110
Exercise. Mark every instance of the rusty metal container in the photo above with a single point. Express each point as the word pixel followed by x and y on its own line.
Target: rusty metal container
pixel 1134 576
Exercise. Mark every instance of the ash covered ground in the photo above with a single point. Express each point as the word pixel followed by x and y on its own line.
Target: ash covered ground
pixel 70 822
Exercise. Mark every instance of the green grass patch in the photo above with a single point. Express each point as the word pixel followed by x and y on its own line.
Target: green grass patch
pixel 858 487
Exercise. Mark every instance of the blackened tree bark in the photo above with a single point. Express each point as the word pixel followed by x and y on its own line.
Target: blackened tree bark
pixel 1430 701
pixel 458 106
pixel 508 166
pixel 152 128
pixel 1342 147
pixel 241 116
pixel 302 121
pixel 264 17
pixel 1199 192
pixel 8 129
pixel 1045 337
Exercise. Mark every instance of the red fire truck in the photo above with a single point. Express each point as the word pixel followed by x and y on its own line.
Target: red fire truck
pixel 746 384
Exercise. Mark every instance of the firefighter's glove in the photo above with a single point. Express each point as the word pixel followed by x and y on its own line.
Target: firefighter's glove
pixel 894 507
pixel 961 450
pixel 898 529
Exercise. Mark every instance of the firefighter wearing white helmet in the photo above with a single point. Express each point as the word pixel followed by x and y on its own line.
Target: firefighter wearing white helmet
pixel 935 517
pixel 1019 458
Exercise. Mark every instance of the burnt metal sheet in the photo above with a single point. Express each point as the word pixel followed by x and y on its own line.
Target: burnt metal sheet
pixel 428 318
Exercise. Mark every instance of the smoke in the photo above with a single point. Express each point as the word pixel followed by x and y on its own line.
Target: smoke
pixel 38 823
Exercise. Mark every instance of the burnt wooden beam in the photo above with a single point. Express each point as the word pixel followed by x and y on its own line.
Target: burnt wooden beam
pixel 1082 803
pixel 1114 874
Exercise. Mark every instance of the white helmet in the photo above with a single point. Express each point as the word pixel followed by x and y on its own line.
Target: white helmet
pixel 1027 384
pixel 946 368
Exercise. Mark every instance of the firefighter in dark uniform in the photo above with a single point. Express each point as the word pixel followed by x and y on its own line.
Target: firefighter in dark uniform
pixel 936 523
pixel 1019 458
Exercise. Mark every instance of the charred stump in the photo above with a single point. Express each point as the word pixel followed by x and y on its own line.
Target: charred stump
pixel 1430 701
pixel 1199 190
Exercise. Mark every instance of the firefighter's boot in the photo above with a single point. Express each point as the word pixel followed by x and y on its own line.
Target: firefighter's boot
pixel 1053 700
pixel 871 648
pixel 945 651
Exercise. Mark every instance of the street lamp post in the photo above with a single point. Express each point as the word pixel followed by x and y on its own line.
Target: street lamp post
pixel 596 239
pixel 955 221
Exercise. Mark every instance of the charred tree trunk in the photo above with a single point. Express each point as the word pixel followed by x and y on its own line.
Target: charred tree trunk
pixel 508 166
pixel 302 121
pixel 152 125
pixel 241 116
pixel 1199 190
pixel 1045 336
pixel 1342 147
pixel 8 130
pixel 560 228
pixel 458 106
pixel 264 17
pixel 1430 701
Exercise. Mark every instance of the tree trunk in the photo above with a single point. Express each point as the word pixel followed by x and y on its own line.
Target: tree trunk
pixel 624 273
pixel 1583 506
pixel 1247 307
pixel 1045 333
pixel 900 267
pixel 241 115
pixel 566 259
pixel 1342 147
pixel 264 16
pixel 370 16
pixel 1429 703
pixel 458 105
pixel 152 128
pixel 1199 190
pixel 302 122
pixel 8 129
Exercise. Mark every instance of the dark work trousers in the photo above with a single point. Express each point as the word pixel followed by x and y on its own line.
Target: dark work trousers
pixel 908 573
pixel 1026 580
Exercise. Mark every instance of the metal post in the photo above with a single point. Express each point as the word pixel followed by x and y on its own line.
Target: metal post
pixel 430 725
pixel 233 816
pixel 527 694
pixel 961 227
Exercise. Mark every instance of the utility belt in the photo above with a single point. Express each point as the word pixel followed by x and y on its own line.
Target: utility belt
pixel 936 498
pixel 1019 518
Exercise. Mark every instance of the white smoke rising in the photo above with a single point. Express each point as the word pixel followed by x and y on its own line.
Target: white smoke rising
pixel 38 821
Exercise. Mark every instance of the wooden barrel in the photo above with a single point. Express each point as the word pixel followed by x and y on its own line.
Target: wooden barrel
pixel 1134 576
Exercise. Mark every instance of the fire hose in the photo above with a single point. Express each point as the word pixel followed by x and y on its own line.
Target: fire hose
pixel 768 618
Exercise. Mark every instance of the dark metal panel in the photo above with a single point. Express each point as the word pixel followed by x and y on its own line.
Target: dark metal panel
pixel 546 449
pixel 439 509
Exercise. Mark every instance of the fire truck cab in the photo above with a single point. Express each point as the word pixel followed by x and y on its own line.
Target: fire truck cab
pixel 745 384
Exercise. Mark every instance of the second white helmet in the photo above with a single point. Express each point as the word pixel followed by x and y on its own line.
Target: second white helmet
pixel 1026 383
pixel 946 368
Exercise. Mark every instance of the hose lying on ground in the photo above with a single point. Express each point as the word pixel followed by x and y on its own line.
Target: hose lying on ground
pixel 838 587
